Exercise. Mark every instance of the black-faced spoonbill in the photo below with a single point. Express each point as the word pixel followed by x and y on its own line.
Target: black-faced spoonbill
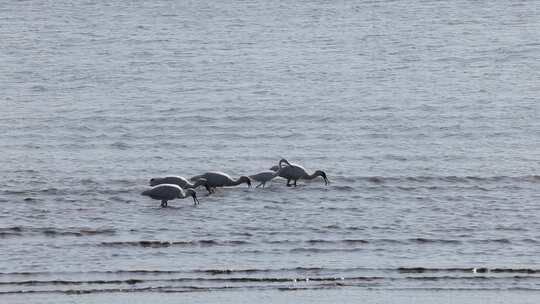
pixel 220 179
pixel 295 172
pixel 167 192
pixel 267 175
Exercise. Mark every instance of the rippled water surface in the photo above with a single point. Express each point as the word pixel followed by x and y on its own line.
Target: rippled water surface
pixel 424 115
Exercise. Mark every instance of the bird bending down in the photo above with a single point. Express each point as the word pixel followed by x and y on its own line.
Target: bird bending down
pixel 167 192
pixel 220 179
pixel 266 176
pixel 177 180
pixel 294 172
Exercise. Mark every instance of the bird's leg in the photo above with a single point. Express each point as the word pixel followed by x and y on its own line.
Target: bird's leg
pixel 264 184
pixel 261 184
pixel 163 203
pixel 288 182
pixel 295 182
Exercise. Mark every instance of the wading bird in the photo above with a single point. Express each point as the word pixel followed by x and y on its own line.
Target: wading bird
pixel 295 172
pixel 220 179
pixel 266 176
pixel 167 192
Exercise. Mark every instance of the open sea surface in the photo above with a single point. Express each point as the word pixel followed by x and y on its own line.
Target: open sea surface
pixel 424 115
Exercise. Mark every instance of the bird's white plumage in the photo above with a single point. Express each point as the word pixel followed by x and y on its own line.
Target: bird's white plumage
pixel 167 192
pixel 176 180
pixel 219 179
pixel 264 177
pixel 294 172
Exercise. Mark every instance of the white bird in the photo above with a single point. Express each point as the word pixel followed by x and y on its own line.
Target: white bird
pixel 266 176
pixel 295 172
pixel 167 192
pixel 220 179
pixel 177 180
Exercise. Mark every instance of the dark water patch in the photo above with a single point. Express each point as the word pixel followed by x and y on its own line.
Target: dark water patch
pixel 222 282
pixel 12 229
pixel 241 234
pixel 343 188
pixel 66 282
pixel 333 226
pixel 54 232
pixel 430 241
pixel 256 270
pixel 515 270
pixel 88 182
pixel 107 290
pixel 489 241
pixel 158 244
pixel 345 241
pixel 10 232
pixel 424 270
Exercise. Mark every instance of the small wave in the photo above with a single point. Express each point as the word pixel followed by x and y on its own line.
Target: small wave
pixel 346 241
pixel 445 179
pixel 323 250
pixel 157 244
pixel 17 231
pixel 419 241
pixel 154 273
pixel 440 241
pixel 467 269
pixel 343 188
pixel 488 241
pixel 258 270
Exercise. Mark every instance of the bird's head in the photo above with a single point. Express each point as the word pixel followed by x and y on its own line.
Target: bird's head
pixel 245 179
pixel 193 194
pixel 283 161
pixel 323 175
pixel 155 181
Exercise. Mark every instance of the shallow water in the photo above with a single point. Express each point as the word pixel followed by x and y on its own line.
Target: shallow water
pixel 424 115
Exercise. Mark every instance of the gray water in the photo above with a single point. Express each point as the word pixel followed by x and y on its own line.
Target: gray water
pixel 424 115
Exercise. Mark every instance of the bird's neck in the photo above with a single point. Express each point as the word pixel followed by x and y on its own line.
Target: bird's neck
pixel 195 184
pixel 235 182
pixel 312 176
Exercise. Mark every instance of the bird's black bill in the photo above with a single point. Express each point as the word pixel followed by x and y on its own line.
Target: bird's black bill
pixel 326 181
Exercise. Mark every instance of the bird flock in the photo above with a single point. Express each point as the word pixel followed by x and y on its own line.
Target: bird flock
pixel 173 187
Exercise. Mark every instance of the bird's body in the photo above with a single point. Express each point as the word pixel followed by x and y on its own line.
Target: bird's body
pixel 264 177
pixel 177 180
pixel 294 172
pixel 167 192
pixel 267 175
pixel 220 179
